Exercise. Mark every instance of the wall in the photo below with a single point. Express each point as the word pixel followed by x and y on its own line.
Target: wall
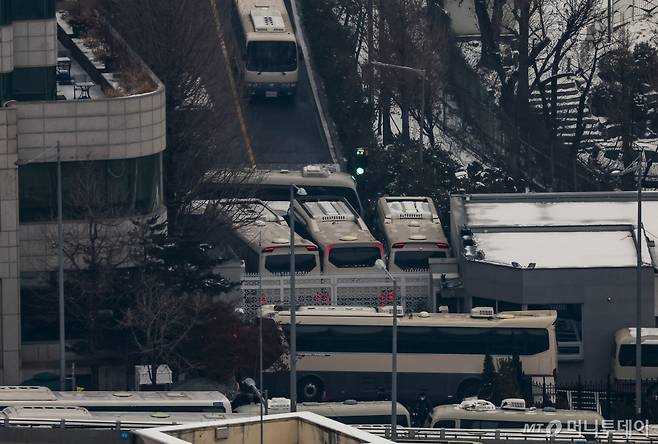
pixel 463 18
pixel 9 270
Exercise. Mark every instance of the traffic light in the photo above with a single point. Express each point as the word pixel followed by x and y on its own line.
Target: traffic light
pixel 360 161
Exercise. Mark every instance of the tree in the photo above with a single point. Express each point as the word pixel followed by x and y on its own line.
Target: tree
pixel 506 383
pixel 488 378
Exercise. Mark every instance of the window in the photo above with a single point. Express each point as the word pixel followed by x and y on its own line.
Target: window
pixel 106 188
pixel 271 56
pixel 568 329
pixel 416 260
pixel 32 9
pixel 445 424
pixel 34 83
pixel 649 355
pixel 438 340
pixel 280 263
pixel 370 419
pixel 351 257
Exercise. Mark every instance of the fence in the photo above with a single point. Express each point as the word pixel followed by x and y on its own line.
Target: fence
pixel 628 11
pixel 613 400
pixel 365 289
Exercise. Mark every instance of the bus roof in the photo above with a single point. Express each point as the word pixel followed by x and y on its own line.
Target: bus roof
pixel 332 221
pixel 331 409
pixel 531 415
pixel 628 336
pixel 265 20
pixel 340 315
pixel 310 175
pixel 410 220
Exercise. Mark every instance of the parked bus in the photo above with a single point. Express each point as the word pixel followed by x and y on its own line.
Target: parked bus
pixel 347 412
pixel 173 401
pixel 412 231
pixel 345 243
pixel 268 48
pixel 345 352
pixel 623 354
pixel 513 414
pixel 262 239
pixel 273 186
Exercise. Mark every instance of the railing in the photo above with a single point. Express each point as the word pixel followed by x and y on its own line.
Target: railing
pixel 368 288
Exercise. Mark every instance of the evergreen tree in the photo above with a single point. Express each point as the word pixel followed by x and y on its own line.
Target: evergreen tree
pixel 506 383
pixel 488 379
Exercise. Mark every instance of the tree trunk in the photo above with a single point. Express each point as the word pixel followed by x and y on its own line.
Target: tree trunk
pixel 488 56
pixel 523 96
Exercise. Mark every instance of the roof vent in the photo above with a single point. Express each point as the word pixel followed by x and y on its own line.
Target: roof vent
pixel 417 237
pixel 267 21
pixel 478 405
pixel 280 240
pixel 350 402
pixel 348 238
pixel 278 403
pixel 482 312
pixel 444 309
pixel 25 393
pixel 513 404
pixel 333 217
pixel 423 314
pixel 46 411
pixel 315 171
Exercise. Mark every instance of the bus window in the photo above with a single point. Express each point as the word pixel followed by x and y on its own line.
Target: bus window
pixel 280 263
pixel 413 260
pixel 445 424
pixel 354 256
pixel 370 419
pixel 263 56
pixel 649 355
pixel 479 424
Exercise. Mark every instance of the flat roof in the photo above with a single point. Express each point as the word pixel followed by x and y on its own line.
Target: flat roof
pixel 560 249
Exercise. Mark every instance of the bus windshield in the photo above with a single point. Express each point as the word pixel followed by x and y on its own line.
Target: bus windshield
pixel 280 263
pixel 649 355
pixel 271 56
pixel 354 256
pixel 415 260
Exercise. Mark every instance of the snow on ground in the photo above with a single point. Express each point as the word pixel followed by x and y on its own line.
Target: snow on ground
pixel 644 30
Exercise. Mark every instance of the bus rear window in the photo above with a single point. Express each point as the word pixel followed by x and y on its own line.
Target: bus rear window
pixel 280 263
pixel 353 257
pixel 649 355
pixel 414 260
pixel 271 56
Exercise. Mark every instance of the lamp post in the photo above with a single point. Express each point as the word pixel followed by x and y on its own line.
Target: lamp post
pixel 639 167
pixel 263 402
pixel 421 73
pixel 293 300
pixel 394 352
pixel 60 261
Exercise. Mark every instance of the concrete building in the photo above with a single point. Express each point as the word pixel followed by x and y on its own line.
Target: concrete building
pixel 571 252
pixel 118 136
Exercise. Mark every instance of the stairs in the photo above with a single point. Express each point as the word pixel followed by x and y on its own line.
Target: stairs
pixel 568 97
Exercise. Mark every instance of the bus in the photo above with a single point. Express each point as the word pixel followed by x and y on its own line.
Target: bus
pixel 623 354
pixel 345 243
pixel 172 401
pixel 261 238
pixel 512 414
pixel 268 47
pixel 273 186
pixel 412 231
pixel 345 352
pixel 348 412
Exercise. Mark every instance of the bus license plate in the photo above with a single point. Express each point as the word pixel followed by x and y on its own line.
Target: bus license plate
pixel 271 94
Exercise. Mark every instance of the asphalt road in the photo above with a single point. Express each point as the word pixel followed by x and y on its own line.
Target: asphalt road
pixel 287 133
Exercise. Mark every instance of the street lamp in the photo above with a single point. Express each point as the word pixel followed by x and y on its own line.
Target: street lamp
pixel 421 73
pixel 263 402
pixel 60 260
pixel 639 167
pixel 394 352
pixel 293 300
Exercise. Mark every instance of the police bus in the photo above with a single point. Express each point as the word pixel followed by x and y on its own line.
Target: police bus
pixel 623 354
pixel 345 352
pixel 413 232
pixel 268 48
pixel 346 245
pixel 172 401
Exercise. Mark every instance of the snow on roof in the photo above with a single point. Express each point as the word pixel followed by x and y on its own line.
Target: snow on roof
pixel 560 249
pixel 554 213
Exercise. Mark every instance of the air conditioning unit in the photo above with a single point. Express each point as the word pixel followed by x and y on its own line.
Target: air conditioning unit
pixel 513 404
pixel 482 312
pixel 388 309
pixel 478 405
pixel 444 309
pixel 315 171
pixel 278 404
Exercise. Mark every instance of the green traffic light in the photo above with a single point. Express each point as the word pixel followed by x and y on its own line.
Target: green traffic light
pixel 360 171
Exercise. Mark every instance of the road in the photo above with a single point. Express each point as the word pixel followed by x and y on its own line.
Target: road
pixel 287 133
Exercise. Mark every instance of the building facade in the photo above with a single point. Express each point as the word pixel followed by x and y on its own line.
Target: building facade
pixel 113 140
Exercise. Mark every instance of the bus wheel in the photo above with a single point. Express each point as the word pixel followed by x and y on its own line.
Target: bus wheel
pixel 468 388
pixel 310 388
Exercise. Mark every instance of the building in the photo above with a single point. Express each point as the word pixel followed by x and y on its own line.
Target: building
pixel 571 252
pixel 52 92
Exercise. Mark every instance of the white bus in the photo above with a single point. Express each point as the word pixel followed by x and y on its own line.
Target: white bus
pixel 268 47
pixel 413 232
pixel 172 401
pixel 623 354
pixel 346 245
pixel 481 414
pixel 261 238
pixel 345 352
pixel 347 412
